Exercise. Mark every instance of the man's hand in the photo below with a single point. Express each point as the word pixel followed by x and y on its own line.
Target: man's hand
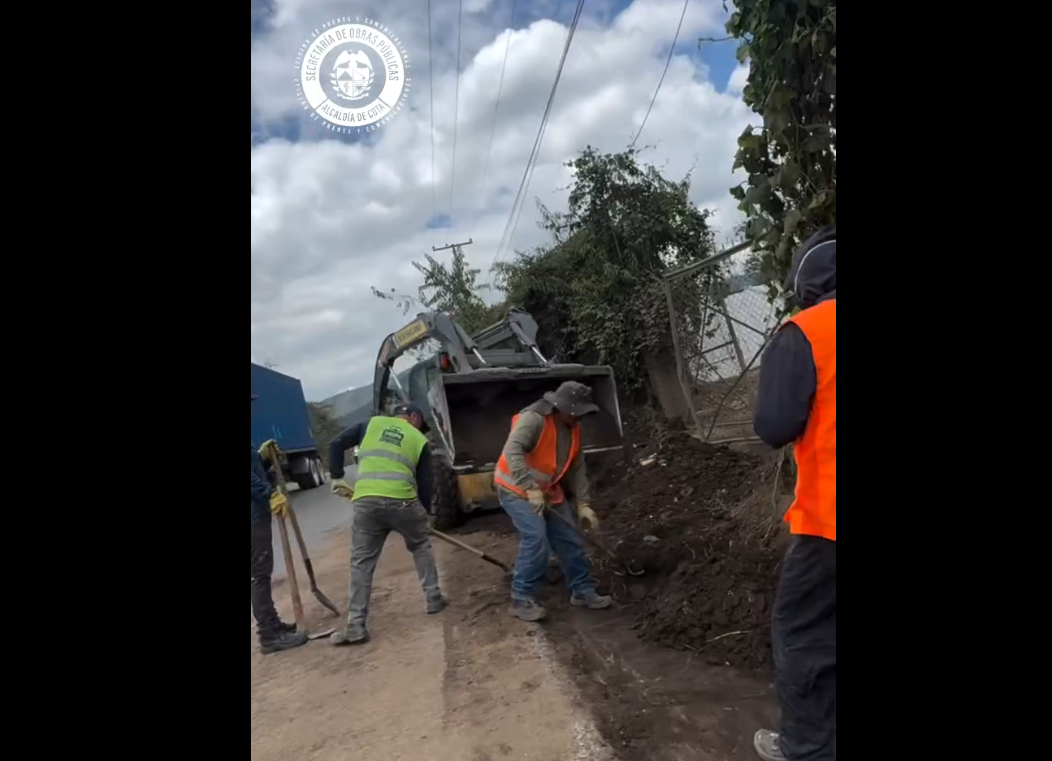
pixel 538 499
pixel 586 517
pixel 342 489
pixel 279 504
pixel 266 449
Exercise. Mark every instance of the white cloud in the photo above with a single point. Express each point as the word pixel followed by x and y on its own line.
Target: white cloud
pixel 330 219
pixel 738 79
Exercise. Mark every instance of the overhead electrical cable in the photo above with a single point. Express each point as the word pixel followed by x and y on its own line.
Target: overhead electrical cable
pixel 496 109
pixel 663 73
pixel 456 111
pixel 516 207
pixel 431 83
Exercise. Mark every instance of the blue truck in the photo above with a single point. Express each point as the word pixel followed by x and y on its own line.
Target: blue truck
pixel 280 413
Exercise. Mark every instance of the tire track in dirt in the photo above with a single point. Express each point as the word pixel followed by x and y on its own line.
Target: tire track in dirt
pixel 502 688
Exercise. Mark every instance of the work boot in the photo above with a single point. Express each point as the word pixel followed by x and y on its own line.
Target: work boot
pixel 275 642
pixel 352 635
pixel 527 609
pixel 768 746
pixel 436 605
pixel 285 628
pixel 591 599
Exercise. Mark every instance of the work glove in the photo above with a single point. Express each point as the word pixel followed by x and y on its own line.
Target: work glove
pixel 586 517
pixel 342 489
pixel 538 499
pixel 265 449
pixel 279 504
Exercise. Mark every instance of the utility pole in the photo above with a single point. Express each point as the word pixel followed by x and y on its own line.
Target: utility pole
pixel 454 246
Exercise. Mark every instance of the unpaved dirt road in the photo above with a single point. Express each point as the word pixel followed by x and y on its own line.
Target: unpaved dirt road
pixel 473 684
pixel 450 687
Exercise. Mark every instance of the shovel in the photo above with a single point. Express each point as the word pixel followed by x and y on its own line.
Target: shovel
pixel 310 568
pixel 625 567
pixel 302 544
pixel 467 547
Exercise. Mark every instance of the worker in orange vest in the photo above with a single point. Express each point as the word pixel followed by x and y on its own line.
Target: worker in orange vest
pixel 797 405
pixel 541 461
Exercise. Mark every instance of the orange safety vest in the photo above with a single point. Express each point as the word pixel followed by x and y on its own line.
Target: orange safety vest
pixel 542 462
pixel 813 513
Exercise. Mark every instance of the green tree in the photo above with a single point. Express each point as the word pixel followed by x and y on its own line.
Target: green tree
pixel 453 289
pixel 597 291
pixel 791 162
pixel 324 427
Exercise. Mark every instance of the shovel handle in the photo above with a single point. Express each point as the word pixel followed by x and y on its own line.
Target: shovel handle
pixel 467 547
pixel 290 573
pixel 588 538
pixel 303 546
pixel 286 548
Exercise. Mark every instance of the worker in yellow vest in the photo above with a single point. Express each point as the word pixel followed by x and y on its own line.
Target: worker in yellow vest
pixel 797 405
pixel 392 493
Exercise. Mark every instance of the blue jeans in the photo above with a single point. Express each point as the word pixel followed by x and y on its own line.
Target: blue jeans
pixel 539 537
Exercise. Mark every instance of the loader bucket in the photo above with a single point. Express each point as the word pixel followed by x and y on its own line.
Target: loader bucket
pixel 475 409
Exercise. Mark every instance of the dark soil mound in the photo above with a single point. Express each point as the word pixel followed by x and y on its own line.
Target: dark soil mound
pixel 671 511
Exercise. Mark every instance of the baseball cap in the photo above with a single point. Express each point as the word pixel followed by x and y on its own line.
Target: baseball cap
pixel 408 409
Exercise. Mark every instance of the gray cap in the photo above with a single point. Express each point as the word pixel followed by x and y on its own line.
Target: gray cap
pixel 573 398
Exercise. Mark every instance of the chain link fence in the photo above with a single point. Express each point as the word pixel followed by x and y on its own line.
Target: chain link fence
pixel 721 320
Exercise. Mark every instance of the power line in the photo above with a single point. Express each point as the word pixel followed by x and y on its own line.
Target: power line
pixel 663 73
pixel 527 175
pixel 496 108
pixel 456 111
pixel 431 84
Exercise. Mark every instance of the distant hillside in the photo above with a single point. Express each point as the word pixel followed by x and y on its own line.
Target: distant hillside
pixel 355 405
pixel 346 402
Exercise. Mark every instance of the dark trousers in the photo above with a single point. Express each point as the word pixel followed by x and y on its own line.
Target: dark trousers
pixel 804 639
pixel 262 568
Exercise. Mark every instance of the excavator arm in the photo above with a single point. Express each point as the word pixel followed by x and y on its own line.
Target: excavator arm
pixel 456 343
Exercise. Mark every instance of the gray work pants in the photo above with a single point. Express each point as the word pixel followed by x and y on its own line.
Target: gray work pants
pixel 374 519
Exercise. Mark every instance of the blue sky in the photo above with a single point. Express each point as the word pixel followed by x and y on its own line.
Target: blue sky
pixel 334 217
pixel 719 58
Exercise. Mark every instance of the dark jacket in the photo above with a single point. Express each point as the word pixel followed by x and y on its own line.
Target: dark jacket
pixel 788 377
pixel 353 436
pixel 262 489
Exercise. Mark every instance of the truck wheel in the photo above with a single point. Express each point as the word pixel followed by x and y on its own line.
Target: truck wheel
pixel 309 480
pixel 446 498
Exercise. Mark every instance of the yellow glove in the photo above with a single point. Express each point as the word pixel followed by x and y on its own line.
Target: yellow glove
pixel 538 499
pixel 279 504
pixel 265 449
pixel 586 517
pixel 342 489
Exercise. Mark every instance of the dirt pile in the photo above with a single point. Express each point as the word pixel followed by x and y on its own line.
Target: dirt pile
pixel 672 509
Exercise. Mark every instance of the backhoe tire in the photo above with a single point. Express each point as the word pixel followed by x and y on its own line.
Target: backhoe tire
pixel 446 498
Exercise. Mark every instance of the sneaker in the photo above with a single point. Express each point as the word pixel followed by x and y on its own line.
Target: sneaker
pixel 591 600
pixel 436 605
pixel 768 746
pixel 527 609
pixel 352 635
pixel 275 643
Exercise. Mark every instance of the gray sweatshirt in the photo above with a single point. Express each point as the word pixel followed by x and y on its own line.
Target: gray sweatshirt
pixel 523 440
